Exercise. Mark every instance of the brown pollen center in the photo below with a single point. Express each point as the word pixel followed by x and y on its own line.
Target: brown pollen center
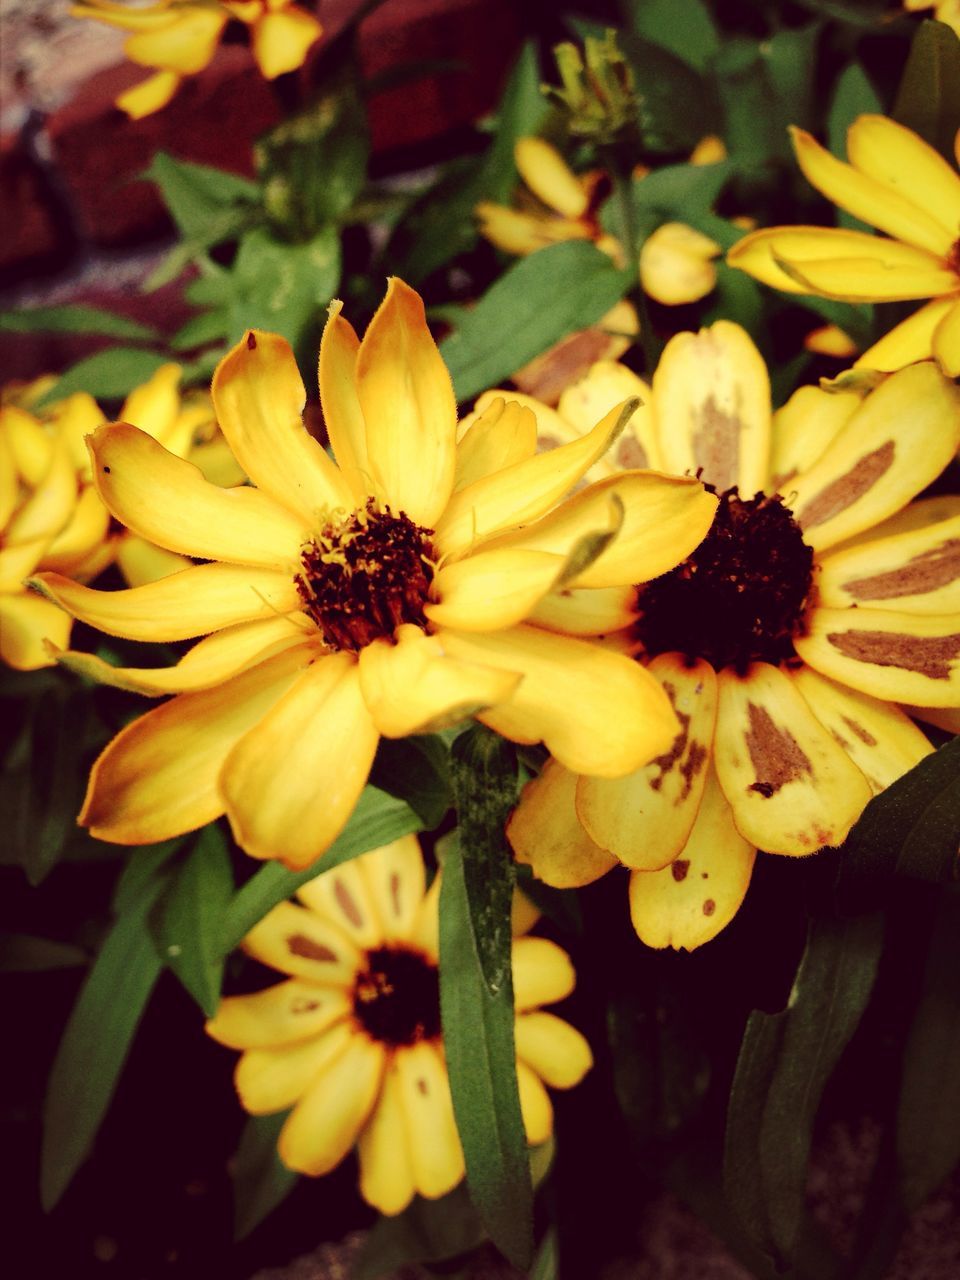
pixel 396 998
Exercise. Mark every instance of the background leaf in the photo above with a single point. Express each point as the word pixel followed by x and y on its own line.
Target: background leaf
pixel 74 319
pixel 107 375
pixel 196 193
pixel 24 953
pixel 684 27
pixel 853 96
pixel 928 99
pixel 261 1181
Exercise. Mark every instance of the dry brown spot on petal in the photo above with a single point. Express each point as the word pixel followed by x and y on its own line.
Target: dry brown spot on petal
pixel 665 762
pixel 690 767
pixel 709 907
pixel 631 454
pixel 303 1004
pixel 299 945
pixel 863 734
pixel 930 656
pixel 395 892
pixel 845 490
pixel 347 904
pixel 774 752
pixel 549 374
pixel 716 445
pixel 929 571
pixel 422 1086
pixel 679 869
pixel 546 443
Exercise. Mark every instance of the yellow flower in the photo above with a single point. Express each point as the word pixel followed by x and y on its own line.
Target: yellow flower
pixel 675 261
pixel 420 581
pixel 900 185
pixel 179 38
pixel 786 640
pixel 352 1040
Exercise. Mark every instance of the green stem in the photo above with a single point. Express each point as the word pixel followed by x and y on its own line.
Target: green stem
pixel 627 234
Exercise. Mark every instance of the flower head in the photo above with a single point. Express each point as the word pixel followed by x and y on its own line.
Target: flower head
pixel 420 581
pixel 821 599
pixel 178 38
pixel 904 188
pixel 352 1039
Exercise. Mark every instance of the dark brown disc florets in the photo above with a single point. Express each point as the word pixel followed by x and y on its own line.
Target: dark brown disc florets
pixel 364 575
pixel 740 597
pixel 396 998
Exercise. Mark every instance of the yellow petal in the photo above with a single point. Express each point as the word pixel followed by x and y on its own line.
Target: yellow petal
pixel 898 657
pixel 217 463
pixel 523 233
pixel 29 444
pixel 116 13
pixel 416 683
pixel 492 589
pixel 395 877
pixel 26 623
pixel 646 817
pixel 185 44
pixel 587 611
pixel 557 1052
pixel 545 833
pixel 86 529
pixel 282 40
pixel 327 1121
pixel 18 562
pixel 535 1106
pixel 436 1156
pixel 711 398
pixel 880 740
pixel 50 506
pixel 902 436
pixel 9 480
pixel 946 718
pixel 542 973
pixel 597 712
pixel 201 599
pixel 158 777
pixel 75 417
pixel 919 514
pixel 499 435
pixel 386 1169
pixel 792 789
pixel 149 95
pixel 549 177
pixel 676 266
pixel 290 785
pixel 909 341
pixel 907 166
pixel 946 341
pixel 906 217
pixel 272 1079
pixel 830 340
pixel 341 896
pixel 409 407
pixel 286 1013
pixel 341 405
pixel 915 572
pixel 155 405
pixel 141 562
pixel 709 150
pixel 689 902
pixel 259 397
pixel 853 265
pixel 297 941
pixel 606 385
pixel 550 429
pixel 804 428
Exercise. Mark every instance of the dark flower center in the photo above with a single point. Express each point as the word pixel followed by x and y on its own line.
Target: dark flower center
pixel 740 597
pixel 365 575
pixel 396 999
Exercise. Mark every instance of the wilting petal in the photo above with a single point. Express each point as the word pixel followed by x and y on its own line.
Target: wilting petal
pixel 853 265
pixel 396 879
pixel 141 562
pixel 804 428
pixel 676 264
pixel 500 435
pixel 409 407
pixel 192 603
pixel 546 834
pixel 341 896
pixel 281 40
pixel 286 1013
pixel 597 712
pixel 158 777
pixel 525 491
pixel 185 44
pixel 587 611
pixel 880 740
pixel 273 1079
pixel 431 1131
pixel 167 501
pixel 946 341
pixel 258 396
pixel 711 398
pixel 549 177
pixel 535 1106
pixel 386 1169
pixel 290 784
pixel 916 572
pixel 689 902
pixel 492 589
pixel 149 95
pixel 557 1052
pixel 296 941
pixel 26 623
pixel 792 789
pixel 417 683
pixel 592 397
pixel 542 973
pixel 902 436
pixel 898 657
pixel 50 506
pixel 326 1122
pixel 341 405
pixel 908 167
pixel 646 817
pixel 219 657
pixel 884 205
pixel 909 341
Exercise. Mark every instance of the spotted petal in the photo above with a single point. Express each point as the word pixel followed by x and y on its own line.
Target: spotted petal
pixel 917 572
pixel 286 1013
pixel 386 1168
pixel 432 1139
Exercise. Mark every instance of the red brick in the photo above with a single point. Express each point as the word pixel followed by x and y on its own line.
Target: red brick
pixel 30 230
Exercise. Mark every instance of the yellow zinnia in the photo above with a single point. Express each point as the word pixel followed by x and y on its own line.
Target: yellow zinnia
pixel 420 581
pixel 352 1040
pixel 786 640
pixel 900 185
pixel 179 38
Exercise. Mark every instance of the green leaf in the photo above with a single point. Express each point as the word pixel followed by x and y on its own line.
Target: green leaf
pixel 210 326
pixel 928 1117
pixel 675 106
pixel 74 319
pixel 195 194
pixel 23 953
pixel 910 829
pixel 261 1181
pixel 110 374
pixel 680 189
pixel 683 27
pixel 416 770
pixel 143 875
pixel 428 1231
pixel 377 820
pixel 476 991
pixel 192 913
pixel 764 87
pixel 538 301
pixel 853 96
pixel 95 1046
pixel 784 1064
pixel 928 99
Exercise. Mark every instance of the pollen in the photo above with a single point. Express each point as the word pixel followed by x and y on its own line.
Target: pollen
pixel 396 998
pixel 364 575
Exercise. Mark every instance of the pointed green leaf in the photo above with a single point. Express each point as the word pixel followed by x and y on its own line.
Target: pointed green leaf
pixel 684 27
pixel 854 96
pixel 261 1181
pixel 74 319
pixel 928 99
pixel 197 193
pixel 416 770
pixel 109 374
pixel 24 953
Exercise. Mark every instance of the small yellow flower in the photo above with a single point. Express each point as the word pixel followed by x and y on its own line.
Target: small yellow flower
pixel 352 1039
pixel 786 640
pixel 179 38
pixel 900 185
pixel 420 581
